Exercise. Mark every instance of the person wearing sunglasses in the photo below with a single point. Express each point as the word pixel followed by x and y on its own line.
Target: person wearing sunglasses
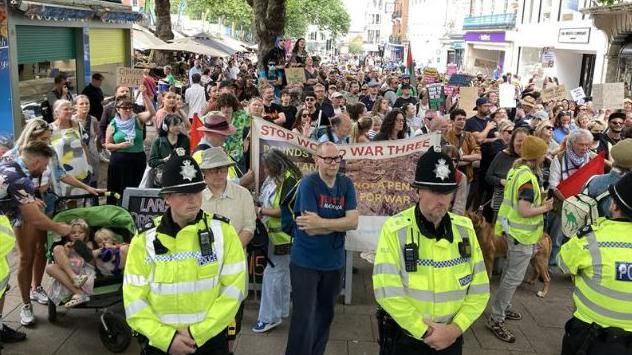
pixel 325 209
pixel 303 123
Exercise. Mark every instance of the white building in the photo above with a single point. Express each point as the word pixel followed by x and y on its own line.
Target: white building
pixel 435 31
pixel 545 37
pixel 377 25
pixel 320 42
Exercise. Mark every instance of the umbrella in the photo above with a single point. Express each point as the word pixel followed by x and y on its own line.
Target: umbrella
pixel 144 39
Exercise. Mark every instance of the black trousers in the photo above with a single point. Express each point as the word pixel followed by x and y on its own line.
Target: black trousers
pixel 218 345
pixel 580 339
pixel 405 345
pixel 125 170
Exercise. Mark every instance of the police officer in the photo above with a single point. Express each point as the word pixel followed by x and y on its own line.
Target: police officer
pixel 184 278
pixel 429 275
pixel 600 259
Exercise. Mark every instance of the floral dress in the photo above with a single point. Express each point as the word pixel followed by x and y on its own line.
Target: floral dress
pixel 68 144
pixel 60 294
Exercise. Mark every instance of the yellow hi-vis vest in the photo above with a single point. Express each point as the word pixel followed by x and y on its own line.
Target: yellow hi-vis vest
pixel 446 288
pixel 526 230
pixel 183 288
pixel 232 171
pixel 273 224
pixel 600 258
pixel 7 242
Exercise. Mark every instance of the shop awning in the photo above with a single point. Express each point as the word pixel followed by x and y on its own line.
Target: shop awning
pixel 83 11
pixel 143 39
pixel 200 44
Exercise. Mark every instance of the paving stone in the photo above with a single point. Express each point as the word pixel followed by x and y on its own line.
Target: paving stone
pixel 351 327
pixel 363 348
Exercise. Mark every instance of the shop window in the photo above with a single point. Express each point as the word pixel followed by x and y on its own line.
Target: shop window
pixel 546 10
pixel 569 10
pixel 530 62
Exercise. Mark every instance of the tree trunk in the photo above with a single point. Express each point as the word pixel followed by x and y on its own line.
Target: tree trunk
pixel 163 20
pixel 269 23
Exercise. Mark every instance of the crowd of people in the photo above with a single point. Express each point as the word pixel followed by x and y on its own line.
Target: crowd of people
pixel 504 163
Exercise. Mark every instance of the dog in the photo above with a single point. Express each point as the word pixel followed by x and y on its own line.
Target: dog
pixel 494 246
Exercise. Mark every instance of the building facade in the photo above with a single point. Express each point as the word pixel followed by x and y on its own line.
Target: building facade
pixel 377 26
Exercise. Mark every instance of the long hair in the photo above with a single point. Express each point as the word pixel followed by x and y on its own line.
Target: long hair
pixel 532 164
pixel 360 127
pixel 33 129
pixel 278 163
pixel 515 132
pixel 388 124
pixel 170 120
pixel 295 48
pixel 377 104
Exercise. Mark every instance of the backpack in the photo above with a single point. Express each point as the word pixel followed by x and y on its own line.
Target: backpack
pixel 258 245
pixel 579 211
pixel 287 210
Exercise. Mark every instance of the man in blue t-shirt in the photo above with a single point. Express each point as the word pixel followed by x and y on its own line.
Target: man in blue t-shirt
pixel 325 207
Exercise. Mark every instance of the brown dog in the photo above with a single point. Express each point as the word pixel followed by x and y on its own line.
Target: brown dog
pixel 493 246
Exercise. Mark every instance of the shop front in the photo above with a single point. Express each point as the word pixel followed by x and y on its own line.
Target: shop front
pixel 486 51
pixel 46 40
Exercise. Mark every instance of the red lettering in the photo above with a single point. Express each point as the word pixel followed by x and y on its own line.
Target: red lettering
pixel 356 151
pixel 264 130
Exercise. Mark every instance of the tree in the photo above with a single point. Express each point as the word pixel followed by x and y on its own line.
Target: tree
pixel 328 15
pixel 355 46
pixel 269 22
pixel 163 20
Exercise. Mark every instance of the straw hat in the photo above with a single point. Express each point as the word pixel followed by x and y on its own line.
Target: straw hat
pixel 215 158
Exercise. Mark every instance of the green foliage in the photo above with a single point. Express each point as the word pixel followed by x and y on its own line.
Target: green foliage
pixel 355 46
pixel 328 15
pixel 608 2
pixel 232 11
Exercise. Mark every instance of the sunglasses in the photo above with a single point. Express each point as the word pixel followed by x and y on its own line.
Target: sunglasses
pixel 310 99
pixel 510 131
pixel 550 128
pixel 305 115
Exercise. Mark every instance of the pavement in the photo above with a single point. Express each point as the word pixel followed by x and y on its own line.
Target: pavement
pixel 354 330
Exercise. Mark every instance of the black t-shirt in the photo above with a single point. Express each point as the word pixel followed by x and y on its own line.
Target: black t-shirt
pixel 290 116
pixel 95 96
pixel 400 102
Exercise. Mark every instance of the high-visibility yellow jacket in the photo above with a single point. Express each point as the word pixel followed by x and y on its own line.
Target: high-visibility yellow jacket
pixel 526 230
pixel 7 242
pixel 600 258
pixel 273 224
pixel 446 288
pixel 182 288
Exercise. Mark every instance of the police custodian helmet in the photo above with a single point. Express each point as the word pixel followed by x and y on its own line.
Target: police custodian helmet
pixel 181 174
pixel 435 172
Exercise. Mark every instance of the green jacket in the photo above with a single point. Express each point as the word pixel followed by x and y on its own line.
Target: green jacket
pixel 161 148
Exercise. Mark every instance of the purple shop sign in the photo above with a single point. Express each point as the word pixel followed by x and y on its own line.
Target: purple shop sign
pixel 494 37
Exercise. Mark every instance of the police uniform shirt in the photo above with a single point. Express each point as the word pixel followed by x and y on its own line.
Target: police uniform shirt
pixel 427 228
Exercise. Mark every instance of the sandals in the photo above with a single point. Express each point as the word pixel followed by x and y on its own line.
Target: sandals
pixel 80 280
pixel 500 331
pixel 512 315
pixel 77 300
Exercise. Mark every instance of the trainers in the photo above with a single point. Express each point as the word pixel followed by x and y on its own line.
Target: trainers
pixel 511 315
pixel 80 280
pixel 262 327
pixel 26 315
pixel 500 331
pixel 39 295
pixel 8 335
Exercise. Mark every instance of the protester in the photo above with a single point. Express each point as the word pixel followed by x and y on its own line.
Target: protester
pixel 60 91
pixel 339 131
pixel 89 127
pixel 360 130
pixel 393 127
pixel 381 107
pixel 95 94
pixel 622 164
pixel 325 210
pixel 372 95
pixel 195 97
pixel 299 54
pixel 465 143
pixel 170 138
pixel 562 126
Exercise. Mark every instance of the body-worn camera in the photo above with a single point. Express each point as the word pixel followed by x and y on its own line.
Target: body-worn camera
pixel 411 254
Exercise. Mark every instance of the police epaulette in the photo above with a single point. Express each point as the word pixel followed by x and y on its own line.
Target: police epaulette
pixel 219 217
pixel 584 231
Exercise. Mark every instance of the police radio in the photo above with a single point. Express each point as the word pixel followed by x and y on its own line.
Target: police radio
pixel 206 239
pixel 411 254
pixel 465 249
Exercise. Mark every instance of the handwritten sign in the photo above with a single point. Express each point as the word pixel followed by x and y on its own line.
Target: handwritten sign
pixel 129 77
pixel 435 96
pixel 460 80
pixel 144 205
pixel 608 96
pixel 578 95
pixel 431 75
pixel 554 93
pixel 507 95
pixel 295 75
pixel 467 99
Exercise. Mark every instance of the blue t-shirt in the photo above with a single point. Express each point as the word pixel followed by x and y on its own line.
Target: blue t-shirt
pixel 322 252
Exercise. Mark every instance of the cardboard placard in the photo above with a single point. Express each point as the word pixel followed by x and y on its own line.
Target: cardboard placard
pixel 435 96
pixel 507 95
pixel 129 77
pixel 295 75
pixel 553 93
pixel 608 96
pixel 467 99
pixel 578 95
pixel 460 80
pixel 144 205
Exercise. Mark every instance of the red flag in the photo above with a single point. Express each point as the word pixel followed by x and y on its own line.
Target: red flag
pixel 410 66
pixel 574 183
pixel 195 136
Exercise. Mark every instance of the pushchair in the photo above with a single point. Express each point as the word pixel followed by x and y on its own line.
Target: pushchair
pixel 114 332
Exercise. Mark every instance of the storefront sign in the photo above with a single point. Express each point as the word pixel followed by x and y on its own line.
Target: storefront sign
pixel 491 37
pixel 574 35
pixel 608 96
pixel 129 77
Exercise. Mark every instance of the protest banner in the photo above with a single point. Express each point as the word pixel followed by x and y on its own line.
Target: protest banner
pixel 460 80
pixel 295 75
pixel 143 204
pixel 578 95
pixel 608 96
pixel 435 96
pixel 553 93
pixel 451 69
pixel 507 95
pixel 381 173
pixel 467 99
pixel 129 77
pixel 431 75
